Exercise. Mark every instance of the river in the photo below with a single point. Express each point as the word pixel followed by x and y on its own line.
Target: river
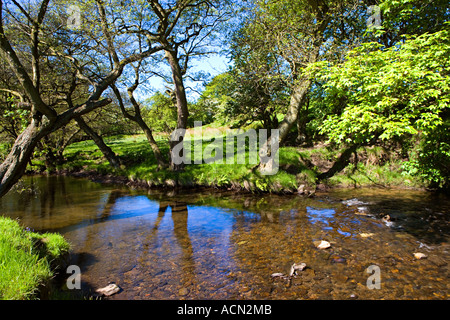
pixel 211 244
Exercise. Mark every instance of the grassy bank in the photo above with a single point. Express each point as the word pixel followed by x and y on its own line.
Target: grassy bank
pixel 27 259
pixel 297 166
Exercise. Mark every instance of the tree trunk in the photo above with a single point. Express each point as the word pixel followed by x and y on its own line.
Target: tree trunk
pixel 137 117
pixel 62 146
pixel 302 83
pixel 107 151
pixel 151 140
pixel 13 167
pixel 298 99
pixel 340 164
pixel 302 120
pixel 50 158
pixel 182 108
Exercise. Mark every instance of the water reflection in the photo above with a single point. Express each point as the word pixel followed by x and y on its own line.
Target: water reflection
pixel 205 245
pixel 323 216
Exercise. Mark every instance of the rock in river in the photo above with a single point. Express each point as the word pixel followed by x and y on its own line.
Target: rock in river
pixel 322 244
pixel 183 292
pixel 277 275
pixel 296 267
pixel 366 235
pixel 109 290
pixel 420 255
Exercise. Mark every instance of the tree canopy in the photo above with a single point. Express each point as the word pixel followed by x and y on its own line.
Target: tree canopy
pixel 351 73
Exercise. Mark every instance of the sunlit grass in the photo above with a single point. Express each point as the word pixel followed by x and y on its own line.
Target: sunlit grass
pixel 26 259
pixel 297 166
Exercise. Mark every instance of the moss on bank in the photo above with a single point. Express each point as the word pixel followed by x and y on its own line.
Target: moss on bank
pixel 27 259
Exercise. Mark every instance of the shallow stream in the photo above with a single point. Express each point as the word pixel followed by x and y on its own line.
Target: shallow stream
pixel 226 245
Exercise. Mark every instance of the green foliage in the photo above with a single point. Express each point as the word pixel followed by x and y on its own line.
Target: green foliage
pixel 25 259
pixel 258 80
pixel 390 85
pixel 13 119
pixel 161 115
pixel 256 98
pixel 215 99
pixel 412 17
pixel 431 159
pixel 389 92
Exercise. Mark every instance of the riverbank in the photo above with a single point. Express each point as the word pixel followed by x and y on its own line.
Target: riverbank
pixel 298 169
pixel 28 260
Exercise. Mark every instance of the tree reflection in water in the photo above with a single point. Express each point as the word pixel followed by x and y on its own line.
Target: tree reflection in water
pixel 159 245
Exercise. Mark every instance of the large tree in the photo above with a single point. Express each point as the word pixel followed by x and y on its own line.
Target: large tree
pixel 47 42
pixel 298 34
pixel 187 31
pixel 293 36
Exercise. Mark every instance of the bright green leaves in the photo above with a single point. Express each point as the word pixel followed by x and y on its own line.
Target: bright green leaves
pixel 161 114
pixel 389 92
pixel 431 159
pixel 393 93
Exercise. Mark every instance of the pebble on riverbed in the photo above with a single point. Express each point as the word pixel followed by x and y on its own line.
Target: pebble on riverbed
pixel 277 275
pixel 366 235
pixel 183 292
pixel 420 255
pixel 295 268
pixel 322 244
pixel 109 290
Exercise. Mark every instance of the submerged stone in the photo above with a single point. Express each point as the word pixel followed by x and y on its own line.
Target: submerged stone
pixel 322 244
pixel 420 255
pixel 109 290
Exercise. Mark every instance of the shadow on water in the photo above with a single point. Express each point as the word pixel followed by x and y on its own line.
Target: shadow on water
pixel 224 245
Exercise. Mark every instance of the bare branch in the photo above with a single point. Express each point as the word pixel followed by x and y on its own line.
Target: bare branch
pixel 109 40
pixel 15 93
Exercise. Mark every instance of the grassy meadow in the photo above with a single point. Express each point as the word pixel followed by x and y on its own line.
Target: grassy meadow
pixel 371 166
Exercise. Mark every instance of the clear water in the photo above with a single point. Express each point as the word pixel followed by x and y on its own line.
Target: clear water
pixel 225 245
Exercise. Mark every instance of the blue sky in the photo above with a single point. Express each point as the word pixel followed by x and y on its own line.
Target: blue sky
pixel 213 64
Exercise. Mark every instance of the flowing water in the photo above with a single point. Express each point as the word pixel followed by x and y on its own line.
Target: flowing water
pixel 225 245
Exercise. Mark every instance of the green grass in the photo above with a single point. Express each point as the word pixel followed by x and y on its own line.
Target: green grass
pixel 140 164
pixel 27 259
pixel 297 166
pixel 388 175
pixel 375 167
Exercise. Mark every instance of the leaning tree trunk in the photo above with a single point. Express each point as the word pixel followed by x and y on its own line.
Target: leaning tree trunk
pixel 298 100
pixel 182 111
pixel 107 151
pixel 13 167
pixel 137 117
pixel 341 163
pixel 152 142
